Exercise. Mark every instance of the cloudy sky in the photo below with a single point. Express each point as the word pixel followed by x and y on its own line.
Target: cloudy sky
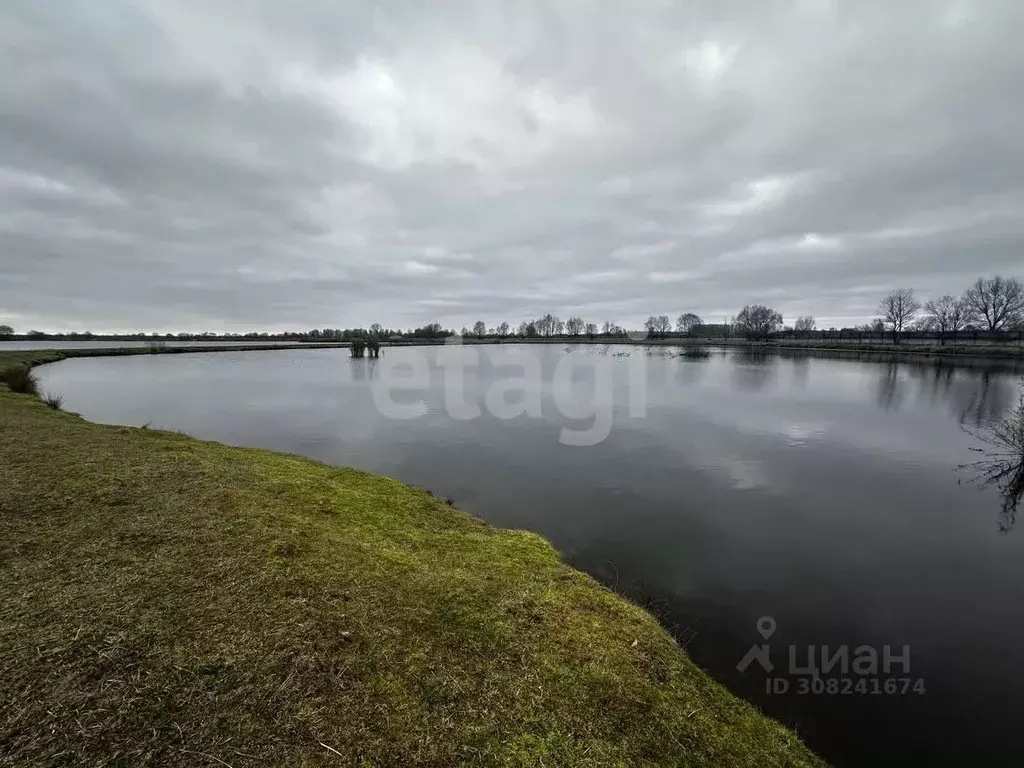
pixel 208 164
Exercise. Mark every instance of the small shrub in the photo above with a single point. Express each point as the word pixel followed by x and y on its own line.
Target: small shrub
pixel 20 379
pixel 696 353
pixel 54 400
pixel 365 347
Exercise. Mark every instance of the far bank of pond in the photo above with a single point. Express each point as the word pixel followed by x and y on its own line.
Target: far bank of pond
pixel 908 349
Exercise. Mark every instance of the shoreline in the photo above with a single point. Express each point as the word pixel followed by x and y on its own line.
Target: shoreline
pixel 984 351
pixel 34 357
pixel 309 605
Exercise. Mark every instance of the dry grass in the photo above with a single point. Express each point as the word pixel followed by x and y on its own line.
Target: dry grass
pixel 20 378
pixel 54 400
pixel 168 601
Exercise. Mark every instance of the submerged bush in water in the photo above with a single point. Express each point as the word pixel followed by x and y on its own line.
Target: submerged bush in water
pixel 362 347
pixel 1002 464
pixel 696 353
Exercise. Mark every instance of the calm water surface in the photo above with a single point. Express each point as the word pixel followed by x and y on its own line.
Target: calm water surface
pixel 819 492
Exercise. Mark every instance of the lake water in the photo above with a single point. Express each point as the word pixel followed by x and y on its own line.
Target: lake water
pixel 821 493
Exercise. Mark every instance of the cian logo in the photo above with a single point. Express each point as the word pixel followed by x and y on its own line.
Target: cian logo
pixel 762 654
pixel 833 670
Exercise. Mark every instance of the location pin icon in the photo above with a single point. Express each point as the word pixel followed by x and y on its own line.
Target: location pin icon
pixel 766 626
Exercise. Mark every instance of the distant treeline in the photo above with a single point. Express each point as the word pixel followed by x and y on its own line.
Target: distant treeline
pixel 990 309
pixel 315 334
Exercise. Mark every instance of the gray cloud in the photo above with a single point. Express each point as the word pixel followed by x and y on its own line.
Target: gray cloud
pixel 231 165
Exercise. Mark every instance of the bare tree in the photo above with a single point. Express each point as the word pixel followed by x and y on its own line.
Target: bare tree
pixel 608 328
pixel 376 329
pixel 658 325
pixel 757 321
pixel 805 323
pixel 575 326
pixel 5 331
pixel 875 326
pixel 898 310
pixel 591 329
pixel 687 322
pixel 947 315
pixel 503 329
pixel 997 303
pixel 547 324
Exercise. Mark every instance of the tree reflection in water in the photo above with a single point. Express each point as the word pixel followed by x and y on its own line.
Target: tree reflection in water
pixel 985 401
pixel 1002 462
pixel 977 397
pixel 890 394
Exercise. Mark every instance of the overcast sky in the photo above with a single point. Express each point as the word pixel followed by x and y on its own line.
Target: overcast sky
pixel 270 165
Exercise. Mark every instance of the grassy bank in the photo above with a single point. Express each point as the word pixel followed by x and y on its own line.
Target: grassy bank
pixel 989 351
pixel 177 602
pixel 905 349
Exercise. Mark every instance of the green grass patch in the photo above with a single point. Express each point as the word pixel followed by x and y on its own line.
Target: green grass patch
pixel 170 601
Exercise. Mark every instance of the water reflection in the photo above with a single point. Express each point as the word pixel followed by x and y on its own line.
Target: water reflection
pixel 690 372
pixel 986 402
pixel 754 369
pixel 890 394
pixel 938 384
pixel 801 372
pixel 976 392
pixel 364 369
pixel 976 398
